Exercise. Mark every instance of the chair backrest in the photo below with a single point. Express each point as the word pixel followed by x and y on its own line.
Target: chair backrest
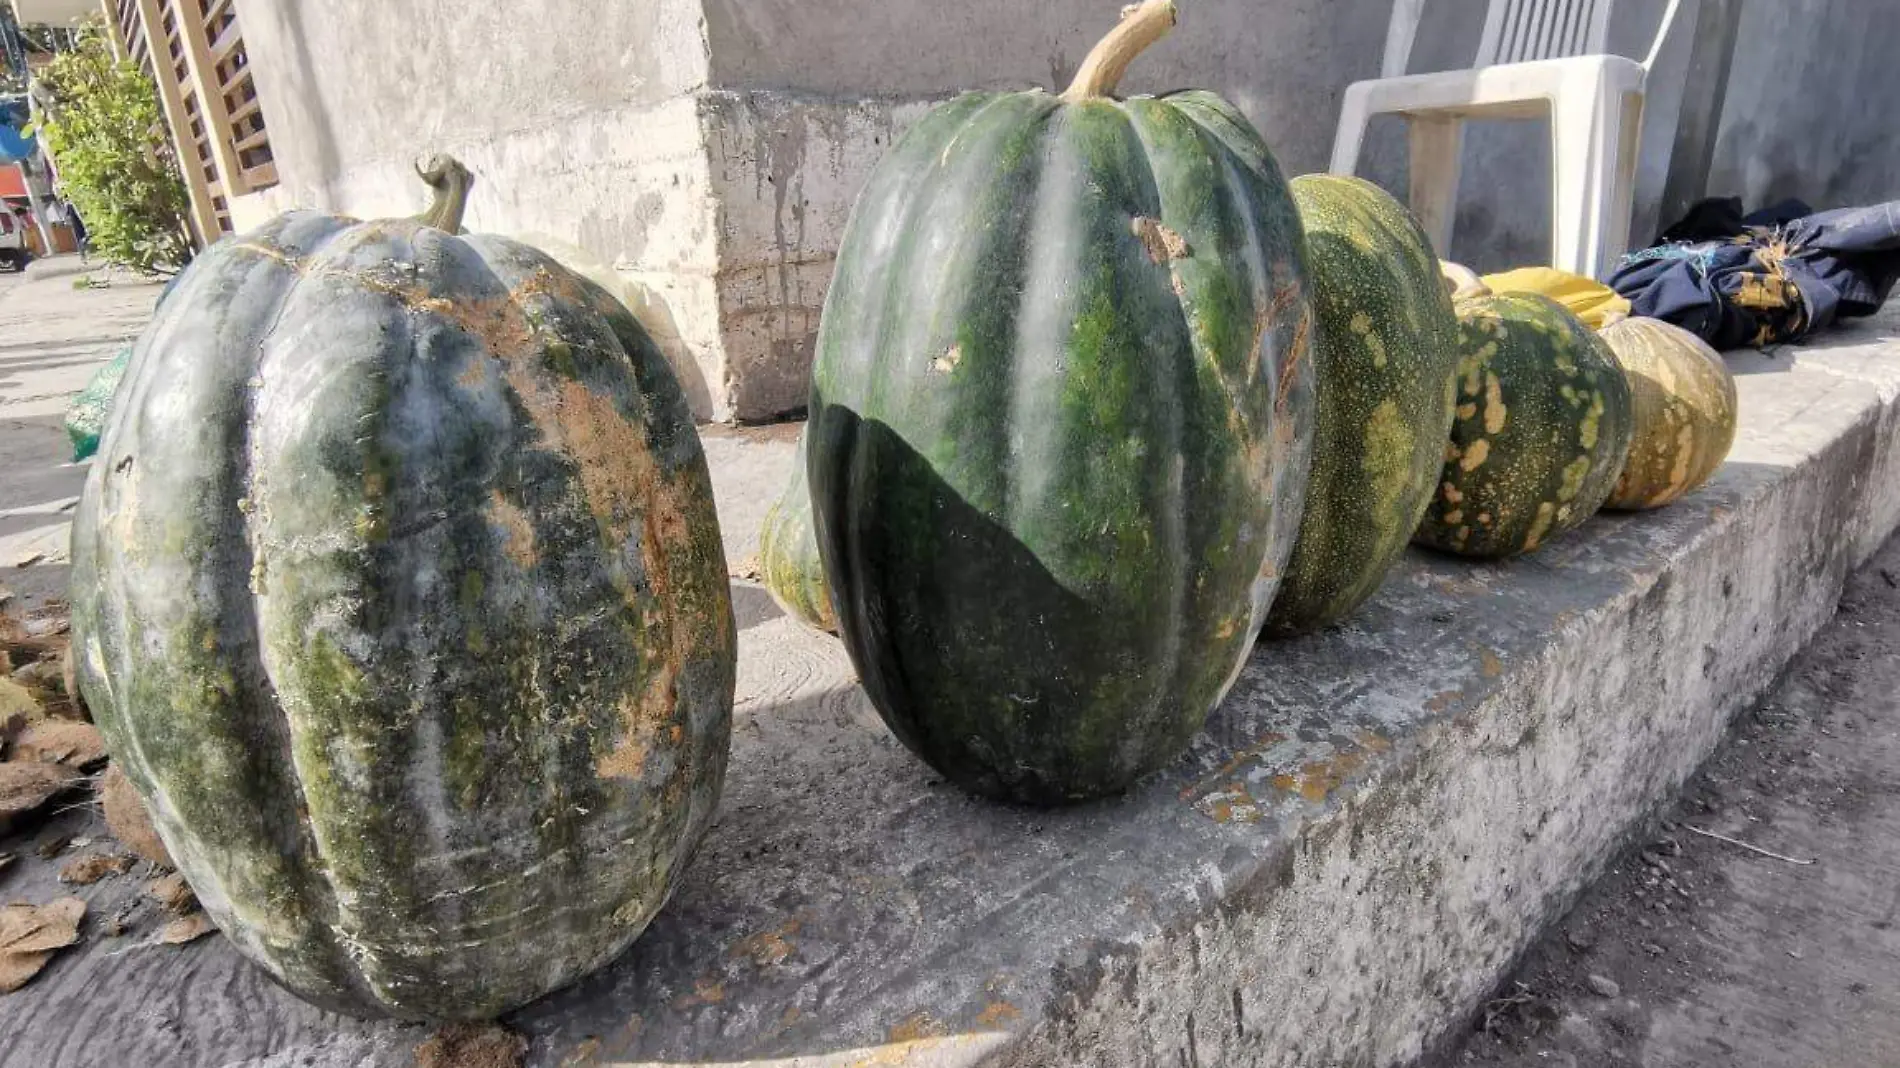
pixel 1516 31
pixel 1519 30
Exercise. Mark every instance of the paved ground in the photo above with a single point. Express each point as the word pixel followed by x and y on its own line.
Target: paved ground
pixel 1696 953
pixel 52 338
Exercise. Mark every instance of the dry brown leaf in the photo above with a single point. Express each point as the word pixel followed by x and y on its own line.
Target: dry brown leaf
pixel 25 786
pixel 30 934
pixel 184 929
pixel 60 741
pixel 45 674
pixel 17 699
pixel 89 869
pixel 127 820
pixel 472 1045
pixel 173 892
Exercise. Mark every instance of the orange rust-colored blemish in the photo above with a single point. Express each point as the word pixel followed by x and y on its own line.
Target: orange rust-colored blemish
pixel 706 991
pixel 998 1013
pixel 768 948
pixel 1443 699
pixel 1295 354
pixel 475 373
pixel 1233 803
pixel 1284 297
pixel 1240 759
pixel 1161 242
pixel 1489 665
pixel 628 758
pixel 517 532
pixel 915 1028
pixel 1316 780
pixel 1373 740
pixel 584 1052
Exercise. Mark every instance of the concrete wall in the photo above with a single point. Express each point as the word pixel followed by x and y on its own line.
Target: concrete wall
pixel 710 149
pixel 1283 62
pixel 1810 103
pixel 580 122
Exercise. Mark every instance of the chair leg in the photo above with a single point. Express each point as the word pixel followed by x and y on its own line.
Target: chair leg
pixel 1580 177
pixel 1437 147
pixel 1616 223
pixel 1353 118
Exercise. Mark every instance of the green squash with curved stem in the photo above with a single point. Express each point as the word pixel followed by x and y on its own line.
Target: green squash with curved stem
pixel 399 597
pixel 1061 420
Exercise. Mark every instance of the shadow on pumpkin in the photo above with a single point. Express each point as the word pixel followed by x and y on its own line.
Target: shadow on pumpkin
pixel 1002 675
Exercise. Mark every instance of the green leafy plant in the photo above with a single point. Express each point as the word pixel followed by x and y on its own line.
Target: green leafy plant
pixel 100 120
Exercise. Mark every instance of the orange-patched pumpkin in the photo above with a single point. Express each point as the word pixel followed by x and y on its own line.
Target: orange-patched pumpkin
pixel 1684 409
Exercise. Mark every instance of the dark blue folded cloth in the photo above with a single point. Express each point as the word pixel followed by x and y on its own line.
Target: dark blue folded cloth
pixel 1772 276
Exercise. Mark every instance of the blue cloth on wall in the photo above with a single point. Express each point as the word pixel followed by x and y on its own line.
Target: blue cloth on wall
pixel 1773 276
pixel 14 145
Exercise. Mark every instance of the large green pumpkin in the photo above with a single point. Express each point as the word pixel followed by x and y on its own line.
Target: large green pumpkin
pixel 1387 350
pixel 1061 417
pixel 398 595
pixel 1684 409
pixel 1540 433
pixel 789 564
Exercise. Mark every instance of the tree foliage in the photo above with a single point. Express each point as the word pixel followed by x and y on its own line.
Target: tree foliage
pixel 100 120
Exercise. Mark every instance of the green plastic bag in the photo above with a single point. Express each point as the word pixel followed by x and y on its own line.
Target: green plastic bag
pixel 86 418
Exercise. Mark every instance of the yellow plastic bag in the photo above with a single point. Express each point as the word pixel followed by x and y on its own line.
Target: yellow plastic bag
pixel 1589 300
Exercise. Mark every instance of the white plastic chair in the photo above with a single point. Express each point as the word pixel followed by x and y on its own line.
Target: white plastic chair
pixel 1536 58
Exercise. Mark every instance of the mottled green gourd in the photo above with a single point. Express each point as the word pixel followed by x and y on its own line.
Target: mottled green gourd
pixel 1684 411
pixel 1541 430
pixel 789 564
pixel 1061 419
pixel 1386 352
pixel 398 594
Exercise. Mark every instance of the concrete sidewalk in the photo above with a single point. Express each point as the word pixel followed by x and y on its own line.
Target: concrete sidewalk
pixel 52 338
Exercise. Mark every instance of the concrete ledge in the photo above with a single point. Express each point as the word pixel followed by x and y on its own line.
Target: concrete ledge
pixel 1378 819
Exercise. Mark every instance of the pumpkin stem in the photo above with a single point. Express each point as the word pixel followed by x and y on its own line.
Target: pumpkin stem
pixel 450 181
pixel 1142 25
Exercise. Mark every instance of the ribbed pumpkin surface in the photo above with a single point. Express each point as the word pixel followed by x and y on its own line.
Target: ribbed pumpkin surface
pixel 1387 350
pixel 1061 419
pixel 399 596
pixel 1541 429
pixel 789 564
pixel 1684 405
